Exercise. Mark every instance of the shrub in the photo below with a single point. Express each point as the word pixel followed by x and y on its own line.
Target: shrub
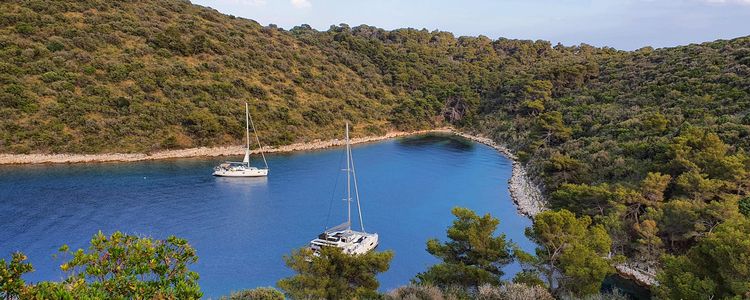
pixel 24 28
pixel 744 205
pixel 11 284
pixel 416 292
pixel 126 266
pixel 513 291
pixel 262 293
pixel 55 46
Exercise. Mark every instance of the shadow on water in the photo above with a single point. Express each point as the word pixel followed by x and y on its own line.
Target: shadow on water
pixel 626 286
pixel 444 140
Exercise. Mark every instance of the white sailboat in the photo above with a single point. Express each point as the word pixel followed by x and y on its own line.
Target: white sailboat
pixel 342 236
pixel 243 169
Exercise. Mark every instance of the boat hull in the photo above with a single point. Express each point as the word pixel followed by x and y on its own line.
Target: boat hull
pixel 365 242
pixel 368 244
pixel 242 173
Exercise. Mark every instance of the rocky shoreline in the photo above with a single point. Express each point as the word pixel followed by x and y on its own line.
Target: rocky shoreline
pixel 11 159
pixel 525 194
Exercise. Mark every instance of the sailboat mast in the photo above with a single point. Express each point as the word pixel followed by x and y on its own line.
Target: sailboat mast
pixel 260 148
pixel 348 180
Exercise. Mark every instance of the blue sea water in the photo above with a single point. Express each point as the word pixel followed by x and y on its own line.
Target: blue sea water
pixel 242 227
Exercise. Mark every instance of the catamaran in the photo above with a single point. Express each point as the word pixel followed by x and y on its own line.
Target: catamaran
pixel 342 236
pixel 243 169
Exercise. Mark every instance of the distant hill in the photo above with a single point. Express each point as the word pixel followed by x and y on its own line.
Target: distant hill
pixel 133 76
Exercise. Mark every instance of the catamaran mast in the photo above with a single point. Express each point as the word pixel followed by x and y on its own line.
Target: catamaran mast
pixel 356 192
pixel 348 180
pixel 351 174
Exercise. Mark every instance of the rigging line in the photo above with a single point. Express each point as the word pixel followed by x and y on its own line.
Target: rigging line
pixel 356 192
pixel 247 130
pixel 333 192
pixel 260 148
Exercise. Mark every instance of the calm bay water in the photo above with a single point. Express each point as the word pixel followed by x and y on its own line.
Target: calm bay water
pixel 241 227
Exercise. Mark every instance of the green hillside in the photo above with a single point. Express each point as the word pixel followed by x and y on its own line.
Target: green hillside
pixel 99 76
pixel 651 143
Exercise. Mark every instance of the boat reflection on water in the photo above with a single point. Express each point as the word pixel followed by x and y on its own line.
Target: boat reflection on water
pixel 242 182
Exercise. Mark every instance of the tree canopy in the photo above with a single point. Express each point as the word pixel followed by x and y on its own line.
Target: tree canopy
pixel 717 267
pixel 572 256
pixel 334 274
pixel 473 254
pixel 118 266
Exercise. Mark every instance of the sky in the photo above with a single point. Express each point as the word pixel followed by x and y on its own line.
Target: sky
pixel 623 24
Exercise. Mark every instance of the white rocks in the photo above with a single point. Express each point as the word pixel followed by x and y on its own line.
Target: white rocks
pixel 6 159
pixel 527 195
pixel 639 275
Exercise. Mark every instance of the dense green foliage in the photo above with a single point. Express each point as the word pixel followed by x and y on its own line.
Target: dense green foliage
pixel 651 144
pixel 97 76
pixel 334 274
pixel 119 266
pixel 472 256
pixel 718 267
pixel 571 256
pixel 11 283
pixel 572 259
pixel 506 291
pixel 262 293
pixel 122 266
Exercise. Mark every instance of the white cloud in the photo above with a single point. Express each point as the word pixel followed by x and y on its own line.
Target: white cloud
pixel 246 2
pixel 301 3
pixel 741 2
